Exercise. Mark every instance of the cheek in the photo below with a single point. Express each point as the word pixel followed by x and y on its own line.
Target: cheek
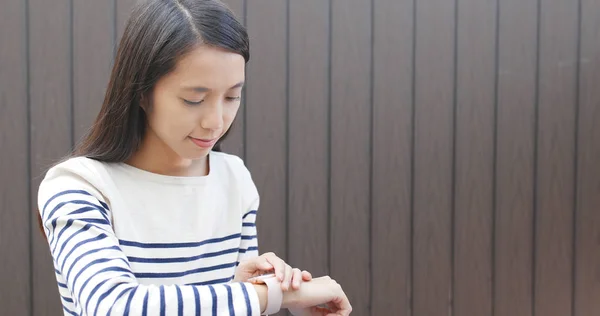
pixel 171 121
pixel 229 115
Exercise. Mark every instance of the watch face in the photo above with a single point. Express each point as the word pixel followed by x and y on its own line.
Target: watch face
pixel 261 278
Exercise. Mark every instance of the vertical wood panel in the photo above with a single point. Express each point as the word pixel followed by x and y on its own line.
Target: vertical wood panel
pixel 555 146
pixel 350 148
pixel 474 160
pixel 587 271
pixel 266 128
pixel 512 257
pixel 15 211
pixel 92 60
pixel 51 130
pixel 434 108
pixel 234 143
pixel 308 141
pixel 515 157
pixel 392 152
pixel 122 11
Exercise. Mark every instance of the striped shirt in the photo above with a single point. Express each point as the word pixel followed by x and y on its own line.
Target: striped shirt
pixel 125 241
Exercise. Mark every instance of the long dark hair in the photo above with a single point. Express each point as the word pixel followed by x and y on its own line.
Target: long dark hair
pixel 158 33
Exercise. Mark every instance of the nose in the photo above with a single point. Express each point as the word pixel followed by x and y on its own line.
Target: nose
pixel 212 118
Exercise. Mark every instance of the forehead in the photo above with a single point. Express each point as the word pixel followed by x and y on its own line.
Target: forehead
pixel 210 67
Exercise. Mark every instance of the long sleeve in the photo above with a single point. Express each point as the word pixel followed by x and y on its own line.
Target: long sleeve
pixel 88 257
pixel 249 243
pixel 251 202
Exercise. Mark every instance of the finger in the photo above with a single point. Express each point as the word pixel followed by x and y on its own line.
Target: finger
pixel 277 263
pixel 330 309
pixel 318 310
pixel 342 303
pixel 296 278
pixel 264 265
pixel 333 310
pixel 306 276
pixel 285 284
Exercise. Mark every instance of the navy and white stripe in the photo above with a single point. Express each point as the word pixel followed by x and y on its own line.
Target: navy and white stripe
pixel 184 263
pixel 98 274
pixel 124 241
pixel 249 243
pixel 106 262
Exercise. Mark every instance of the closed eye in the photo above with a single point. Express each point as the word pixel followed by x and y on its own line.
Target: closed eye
pixel 192 102
pixel 233 98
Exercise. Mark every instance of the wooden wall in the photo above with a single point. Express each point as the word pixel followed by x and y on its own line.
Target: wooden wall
pixel 435 157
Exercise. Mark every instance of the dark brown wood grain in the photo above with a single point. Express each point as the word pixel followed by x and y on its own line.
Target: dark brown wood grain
pixel 266 119
pixel 234 143
pixel 587 273
pixel 555 157
pixel 515 152
pixel 15 210
pixel 474 157
pixel 392 157
pixel 434 108
pixel 122 11
pixel 437 159
pixel 350 149
pixel 92 60
pixel 308 142
pixel 51 125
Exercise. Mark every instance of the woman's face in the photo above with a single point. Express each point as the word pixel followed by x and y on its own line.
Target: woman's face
pixel 194 105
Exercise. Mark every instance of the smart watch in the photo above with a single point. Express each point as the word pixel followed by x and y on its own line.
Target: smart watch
pixel 274 292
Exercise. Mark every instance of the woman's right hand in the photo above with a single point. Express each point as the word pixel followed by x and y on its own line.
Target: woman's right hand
pixel 323 291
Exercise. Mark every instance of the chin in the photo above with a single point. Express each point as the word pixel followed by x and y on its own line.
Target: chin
pixel 197 154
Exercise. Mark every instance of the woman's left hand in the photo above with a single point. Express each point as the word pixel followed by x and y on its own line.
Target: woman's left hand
pixel 268 262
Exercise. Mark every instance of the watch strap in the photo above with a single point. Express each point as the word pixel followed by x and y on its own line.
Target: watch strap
pixel 274 296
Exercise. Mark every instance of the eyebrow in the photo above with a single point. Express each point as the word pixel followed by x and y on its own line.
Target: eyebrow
pixel 203 89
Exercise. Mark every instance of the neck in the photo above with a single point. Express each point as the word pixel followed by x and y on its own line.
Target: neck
pixel 156 157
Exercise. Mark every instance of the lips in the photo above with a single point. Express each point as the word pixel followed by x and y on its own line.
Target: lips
pixel 203 143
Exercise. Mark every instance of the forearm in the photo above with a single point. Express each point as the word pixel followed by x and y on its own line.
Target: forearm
pixel 289 297
pixel 262 292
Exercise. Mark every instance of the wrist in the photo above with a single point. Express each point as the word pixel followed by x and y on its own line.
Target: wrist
pixel 262 292
pixel 274 295
pixel 290 299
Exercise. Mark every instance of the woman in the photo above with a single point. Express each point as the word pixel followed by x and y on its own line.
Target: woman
pixel 147 216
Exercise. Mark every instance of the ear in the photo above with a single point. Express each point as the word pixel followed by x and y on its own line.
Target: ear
pixel 145 102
